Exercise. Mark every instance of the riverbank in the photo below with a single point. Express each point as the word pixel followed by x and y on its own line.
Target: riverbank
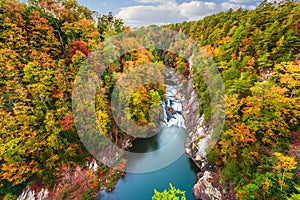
pixel 181 173
pixel 77 183
pixel 194 142
pixel 160 157
pixel 198 137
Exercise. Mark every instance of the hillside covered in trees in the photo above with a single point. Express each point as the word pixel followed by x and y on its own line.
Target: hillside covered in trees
pixel 258 55
pixel 43 44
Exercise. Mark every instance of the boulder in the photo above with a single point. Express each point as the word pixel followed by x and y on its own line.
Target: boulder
pixel 204 188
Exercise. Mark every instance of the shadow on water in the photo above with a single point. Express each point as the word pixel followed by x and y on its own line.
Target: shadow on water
pixel 143 145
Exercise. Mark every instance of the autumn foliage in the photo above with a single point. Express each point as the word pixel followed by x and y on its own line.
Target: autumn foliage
pixel 78 46
pixel 42 46
pixel 44 43
pixel 257 53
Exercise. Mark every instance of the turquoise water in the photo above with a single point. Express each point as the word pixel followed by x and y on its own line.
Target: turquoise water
pixel 165 162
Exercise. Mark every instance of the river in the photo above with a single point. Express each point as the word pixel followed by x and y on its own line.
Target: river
pixel 164 152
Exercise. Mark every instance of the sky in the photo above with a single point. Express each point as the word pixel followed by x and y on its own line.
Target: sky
pixel 137 13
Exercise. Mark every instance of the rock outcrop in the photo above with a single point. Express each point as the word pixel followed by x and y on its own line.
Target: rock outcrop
pixel 205 188
pixel 30 194
pixel 198 138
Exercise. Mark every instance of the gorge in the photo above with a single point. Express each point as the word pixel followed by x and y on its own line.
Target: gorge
pixel 162 158
pixel 175 142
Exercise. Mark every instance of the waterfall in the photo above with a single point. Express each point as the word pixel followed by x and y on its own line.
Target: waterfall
pixel 172 108
pixel 176 121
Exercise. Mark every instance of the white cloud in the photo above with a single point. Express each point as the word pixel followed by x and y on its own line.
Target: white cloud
pixel 228 5
pixel 147 15
pixel 251 7
pixel 168 11
pixel 197 9
pixel 152 1
pixel 240 1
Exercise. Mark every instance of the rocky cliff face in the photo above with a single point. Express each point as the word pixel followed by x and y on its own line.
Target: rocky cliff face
pixel 198 139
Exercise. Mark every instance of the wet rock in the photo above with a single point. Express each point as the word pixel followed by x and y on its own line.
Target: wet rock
pixel 27 194
pixel 30 194
pixel 169 115
pixel 199 135
pixel 94 165
pixel 43 194
pixel 204 188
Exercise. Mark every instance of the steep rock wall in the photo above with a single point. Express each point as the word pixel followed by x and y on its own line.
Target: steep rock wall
pixel 198 138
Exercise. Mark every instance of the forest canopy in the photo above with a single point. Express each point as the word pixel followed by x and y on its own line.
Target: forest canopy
pixel 258 54
pixel 44 43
